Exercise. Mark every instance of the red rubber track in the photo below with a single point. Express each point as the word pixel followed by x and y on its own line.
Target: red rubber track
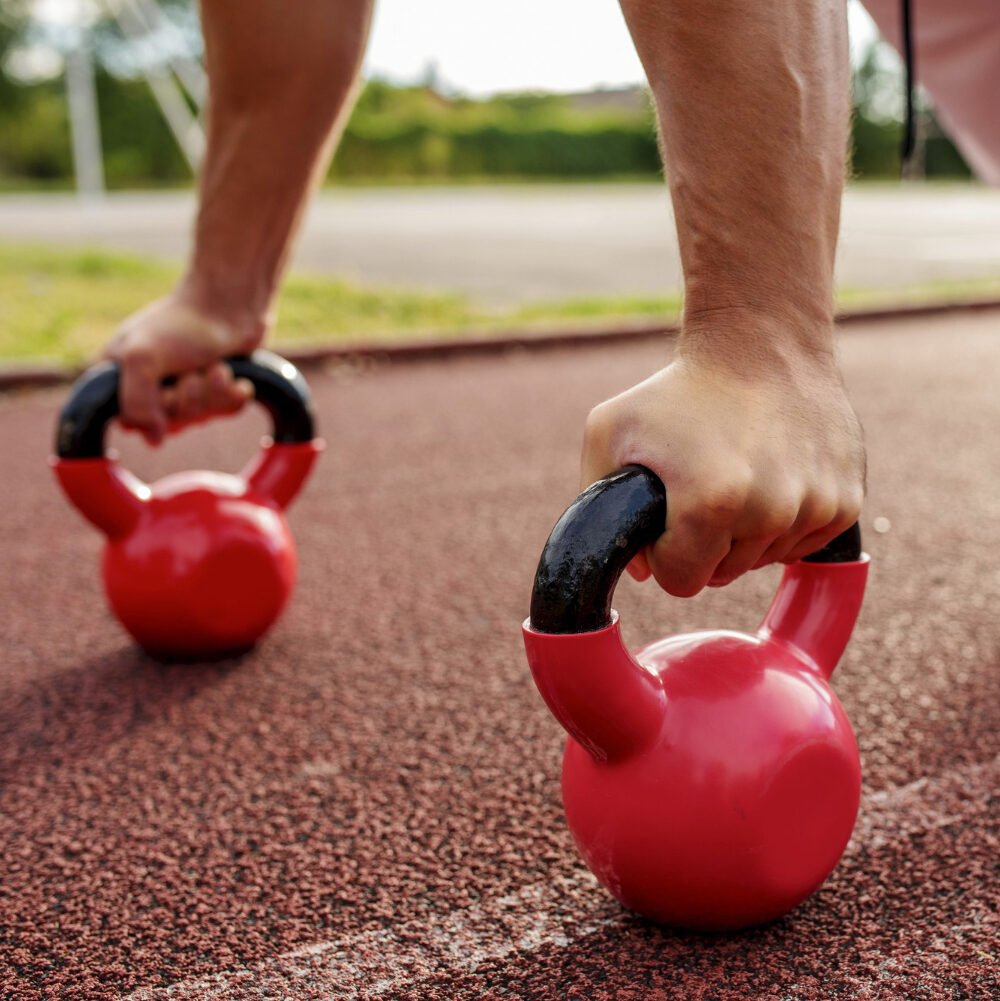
pixel 368 804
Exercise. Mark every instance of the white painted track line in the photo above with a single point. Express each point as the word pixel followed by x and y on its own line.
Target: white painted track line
pixel 373 964
pixel 356 966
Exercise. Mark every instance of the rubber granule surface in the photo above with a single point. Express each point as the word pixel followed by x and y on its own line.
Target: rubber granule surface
pixel 367 805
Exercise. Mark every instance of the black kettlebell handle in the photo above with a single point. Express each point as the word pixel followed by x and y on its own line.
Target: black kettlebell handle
pixel 93 403
pixel 612 521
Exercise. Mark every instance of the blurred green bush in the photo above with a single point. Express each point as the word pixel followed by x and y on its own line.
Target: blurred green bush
pixel 415 133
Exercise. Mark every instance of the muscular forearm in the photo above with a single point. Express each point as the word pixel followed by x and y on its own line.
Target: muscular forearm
pixel 281 82
pixel 281 78
pixel 753 100
pixel 749 427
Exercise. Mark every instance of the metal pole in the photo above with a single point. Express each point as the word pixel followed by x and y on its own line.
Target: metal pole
pixel 81 94
pixel 189 71
pixel 183 124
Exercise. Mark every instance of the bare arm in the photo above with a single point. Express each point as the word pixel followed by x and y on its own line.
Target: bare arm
pixel 282 78
pixel 749 427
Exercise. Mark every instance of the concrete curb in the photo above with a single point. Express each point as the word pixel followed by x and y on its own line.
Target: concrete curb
pixel 24 377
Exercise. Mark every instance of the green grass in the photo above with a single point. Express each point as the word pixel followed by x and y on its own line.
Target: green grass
pixel 63 305
pixel 952 290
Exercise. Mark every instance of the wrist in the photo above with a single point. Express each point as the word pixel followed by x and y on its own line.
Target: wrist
pixel 245 309
pixel 754 343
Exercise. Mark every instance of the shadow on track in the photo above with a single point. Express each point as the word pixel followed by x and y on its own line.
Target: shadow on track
pixel 80 711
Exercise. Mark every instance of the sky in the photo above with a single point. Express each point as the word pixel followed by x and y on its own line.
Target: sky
pixel 480 47
pixel 484 46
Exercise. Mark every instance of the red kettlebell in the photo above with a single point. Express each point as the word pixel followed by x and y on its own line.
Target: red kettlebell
pixel 198 565
pixel 711 781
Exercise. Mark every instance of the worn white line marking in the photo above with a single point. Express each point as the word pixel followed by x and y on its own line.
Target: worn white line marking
pixel 921 805
pixel 916 808
pixel 536 915
pixel 370 964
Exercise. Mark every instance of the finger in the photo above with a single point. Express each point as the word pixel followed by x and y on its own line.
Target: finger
pixel 219 380
pixel 772 522
pixel 741 558
pixel 638 568
pixel 685 557
pixel 815 513
pixel 170 402
pixel 812 531
pixel 817 540
pixel 848 514
pixel 139 394
pixel 244 390
pixel 200 395
pixel 192 396
pixel 597 460
pixel 226 394
pixel 700 531
pixel 598 454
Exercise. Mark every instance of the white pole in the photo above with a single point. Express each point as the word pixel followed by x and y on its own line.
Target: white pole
pixel 81 94
pixel 183 124
pixel 190 72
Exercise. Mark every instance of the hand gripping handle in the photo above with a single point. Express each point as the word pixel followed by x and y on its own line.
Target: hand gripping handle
pixel 598 535
pixel 113 499
pixel 93 403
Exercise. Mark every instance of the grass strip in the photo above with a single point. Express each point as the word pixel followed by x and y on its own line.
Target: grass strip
pixel 61 306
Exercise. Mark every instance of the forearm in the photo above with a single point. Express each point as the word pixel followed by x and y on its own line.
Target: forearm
pixel 753 101
pixel 281 83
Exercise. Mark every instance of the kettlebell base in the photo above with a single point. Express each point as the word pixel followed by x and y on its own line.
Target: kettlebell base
pixel 710 927
pixel 192 657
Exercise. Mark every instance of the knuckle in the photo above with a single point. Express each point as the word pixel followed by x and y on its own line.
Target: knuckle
pixel 822 510
pixel 837 513
pixel 192 390
pixel 722 503
pixel 598 428
pixel 850 509
pixel 137 356
pixel 780 517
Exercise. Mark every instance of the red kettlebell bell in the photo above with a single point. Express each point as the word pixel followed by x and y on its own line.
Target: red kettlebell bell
pixel 198 565
pixel 711 781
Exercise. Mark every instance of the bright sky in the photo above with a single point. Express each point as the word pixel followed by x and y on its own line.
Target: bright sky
pixel 482 46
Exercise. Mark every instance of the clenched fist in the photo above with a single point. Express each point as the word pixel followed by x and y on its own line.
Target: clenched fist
pixel 763 462
pixel 176 336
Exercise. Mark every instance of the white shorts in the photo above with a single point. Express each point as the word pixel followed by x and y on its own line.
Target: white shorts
pixel 957 56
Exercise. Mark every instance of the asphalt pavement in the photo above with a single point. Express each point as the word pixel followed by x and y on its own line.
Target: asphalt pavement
pixel 514 244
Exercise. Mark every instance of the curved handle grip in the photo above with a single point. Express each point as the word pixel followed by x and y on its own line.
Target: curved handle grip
pixel 93 403
pixel 596 538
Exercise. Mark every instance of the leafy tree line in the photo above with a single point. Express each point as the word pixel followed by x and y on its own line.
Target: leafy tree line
pixel 403 133
pixel 414 132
